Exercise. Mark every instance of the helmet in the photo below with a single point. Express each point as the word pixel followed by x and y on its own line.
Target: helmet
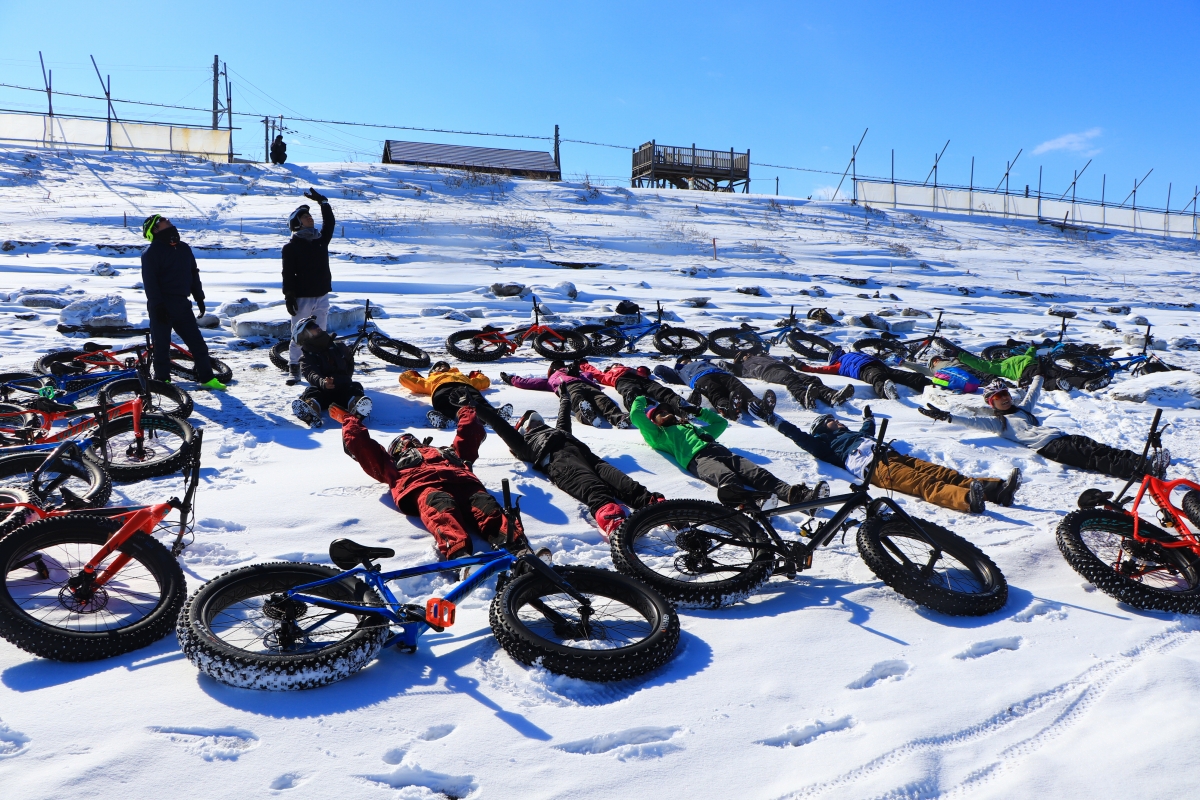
pixel 300 334
pixel 994 388
pixel 401 443
pixel 439 366
pixel 643 371
pixel 818 425
pixel 529 420
pixel 294 219
pixel 148 226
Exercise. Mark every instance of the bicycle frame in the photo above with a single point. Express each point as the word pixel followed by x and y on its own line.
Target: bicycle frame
pixel 635 332
pixel 94 416
pixel 775 336
pixel 518 335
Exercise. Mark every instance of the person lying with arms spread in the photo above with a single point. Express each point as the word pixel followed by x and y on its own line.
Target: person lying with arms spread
pixel 632 383
pixel 443 381
pixel 805 389
pixel 586 397
pixel 708 379
pixel 868 369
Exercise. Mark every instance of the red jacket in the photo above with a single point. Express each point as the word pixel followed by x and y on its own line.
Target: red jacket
pixel 608 377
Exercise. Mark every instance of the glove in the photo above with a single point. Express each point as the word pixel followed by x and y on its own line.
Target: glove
pixel 506 378
pixel 315 196
pixel 200 305
pixel 290 304
pixel 930 410
pixel 867 413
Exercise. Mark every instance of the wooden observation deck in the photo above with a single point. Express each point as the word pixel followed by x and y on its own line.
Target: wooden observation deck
pixel 659 166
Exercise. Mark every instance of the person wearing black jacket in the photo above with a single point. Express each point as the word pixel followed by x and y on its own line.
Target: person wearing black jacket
pixel 328 366
pixel 805 389
pixel 169 276
pixel 306 278
pixel 570 464
pixel 278 150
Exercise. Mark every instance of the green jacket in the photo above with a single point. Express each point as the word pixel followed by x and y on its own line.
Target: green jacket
pixel 682 441
pixel 1011 368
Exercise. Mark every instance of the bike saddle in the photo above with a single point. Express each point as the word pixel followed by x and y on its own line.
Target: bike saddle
pixel 737 496
pixel 746 326
pixel 1093 497
pixel 95 347
pixel 348 555
pixel 489 329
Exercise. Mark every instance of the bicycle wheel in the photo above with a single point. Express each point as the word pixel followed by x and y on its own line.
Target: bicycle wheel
pixel 47 609
pixel 603 341
pixel 728 342
pixel 23 380
pixel 629 630
pixel 241 629
pixel 999 352
pixel 811 346
pixel 672 341
pixel 880 347
pixel 1191 507
pixel 185 367
pixel 561 343
pixel 668 546
pixel 18 515
pixel 956 578
pixel 81 478
pixel 1099 545
pixel 60 363
pixel 165 398
pixel 279 354
pixel 165 447
pixel 397 352
pixel 474 345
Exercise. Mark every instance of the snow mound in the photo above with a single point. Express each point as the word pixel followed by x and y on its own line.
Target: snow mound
pixel 107 311
pixel 275 323
pixel 1179 389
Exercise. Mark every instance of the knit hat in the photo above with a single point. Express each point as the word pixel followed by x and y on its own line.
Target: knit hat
pixel 819 423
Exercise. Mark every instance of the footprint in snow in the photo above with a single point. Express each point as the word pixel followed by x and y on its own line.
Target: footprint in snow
pixel 436 732
pixel 883 671
pixel 12 743
pixel 797 737
pixel 980 649
pixel 211 744
pixel 289 780
pixel 1041 609
pixel 629 745
pixel 405 776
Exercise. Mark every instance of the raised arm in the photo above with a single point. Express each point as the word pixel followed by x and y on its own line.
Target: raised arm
pixel 532 384
pixel 714 423
pixel 328 222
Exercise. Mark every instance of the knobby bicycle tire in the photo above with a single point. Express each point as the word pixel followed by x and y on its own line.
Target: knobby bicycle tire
pixel 60 363
pixel 165 398
pixel 671 340
pixel 469 346
pixel 632 631
pixel 40 613
pixel 809 345
pixel 603 340
pixel 87 480
pixel 279 354
pixel 396 352
pixel 648 547
pixel 25 380
pixel 185 367
pixel 15 517
pixel 999 352
pixel 728 342
pixel 880 347
pixel 225 631
pixel 1191 507
pixel 963 583
pixel 562 343
pixel 1099 545
pixel 166 447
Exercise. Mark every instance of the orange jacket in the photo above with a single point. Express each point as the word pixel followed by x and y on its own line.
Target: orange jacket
pixel 413 381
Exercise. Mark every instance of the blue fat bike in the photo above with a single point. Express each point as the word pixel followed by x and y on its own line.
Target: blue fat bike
pixel 609 339
pixel 289 625
pixel 729 342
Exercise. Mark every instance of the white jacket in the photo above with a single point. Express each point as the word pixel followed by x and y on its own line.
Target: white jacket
pixel 1020 426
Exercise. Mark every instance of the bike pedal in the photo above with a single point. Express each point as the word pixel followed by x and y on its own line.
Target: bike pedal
pixel 439 613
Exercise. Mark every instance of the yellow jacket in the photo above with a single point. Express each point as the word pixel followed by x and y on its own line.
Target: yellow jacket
pixel 413 381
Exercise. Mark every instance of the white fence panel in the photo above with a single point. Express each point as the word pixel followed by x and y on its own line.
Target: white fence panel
pixel 40 130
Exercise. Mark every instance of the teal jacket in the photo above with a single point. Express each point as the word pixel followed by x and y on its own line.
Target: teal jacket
pixel 682 441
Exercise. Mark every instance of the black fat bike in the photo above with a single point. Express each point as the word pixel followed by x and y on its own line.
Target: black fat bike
pixel 706 555
pixel 383 347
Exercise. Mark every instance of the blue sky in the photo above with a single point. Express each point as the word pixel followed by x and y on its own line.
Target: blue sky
pixel 796 83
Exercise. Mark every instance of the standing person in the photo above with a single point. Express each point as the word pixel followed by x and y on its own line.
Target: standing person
pixel 1016 422
pixel 328 366
pixel 306 278
pixel 805 389
pixel 571 465
pixel 586 397
pixel 868 369
pixel 694 447
pixel 832 442
pixel 710 380
pixel 170 275
pixel 449 390
pixel 632 383
pixel 278 150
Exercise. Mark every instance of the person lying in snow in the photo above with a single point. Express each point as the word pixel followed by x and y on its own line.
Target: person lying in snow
pixel 805 389
pixel 445 385
pixel 868 369
pixel 328 366
pixel 571 465
pixel 694 447
pixel 587 399
pixel 710 380
pixel 1021 369
pixel 435 483
pixel 632 383
pixel 830 441
pixel 1016 422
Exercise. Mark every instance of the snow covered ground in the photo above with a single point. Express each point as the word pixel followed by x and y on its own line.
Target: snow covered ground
pixel 831 685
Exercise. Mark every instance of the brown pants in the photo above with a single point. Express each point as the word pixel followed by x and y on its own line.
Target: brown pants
pixel 941 486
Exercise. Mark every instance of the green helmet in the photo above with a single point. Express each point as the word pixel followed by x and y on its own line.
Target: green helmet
pixel 148 226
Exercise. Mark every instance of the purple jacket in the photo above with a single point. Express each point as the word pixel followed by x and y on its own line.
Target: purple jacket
pixel 550 384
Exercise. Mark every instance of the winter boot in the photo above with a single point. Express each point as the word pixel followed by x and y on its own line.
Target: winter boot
pixel 767 404
pixel 437 419
pixel 809 398
pixel 361 405
pixel 1009 490
pixel 623 423
pixel 796 493
pixel 975 498
pixel 841 395
pixel 293 374
pixel 890 391
pixel 585 413
pixel 608 518
pixel 505 411
pixel 759 410
pixel 307 411
pixel 214 385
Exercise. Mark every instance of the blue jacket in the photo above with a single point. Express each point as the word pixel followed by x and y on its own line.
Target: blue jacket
pixel 832 448
pixel 851 364
pixel 695 370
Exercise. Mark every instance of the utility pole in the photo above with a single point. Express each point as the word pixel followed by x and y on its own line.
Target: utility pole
pixel 229 111
pixel 266 140
pixel 216 87
pixel 557 163
pixel 48 81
